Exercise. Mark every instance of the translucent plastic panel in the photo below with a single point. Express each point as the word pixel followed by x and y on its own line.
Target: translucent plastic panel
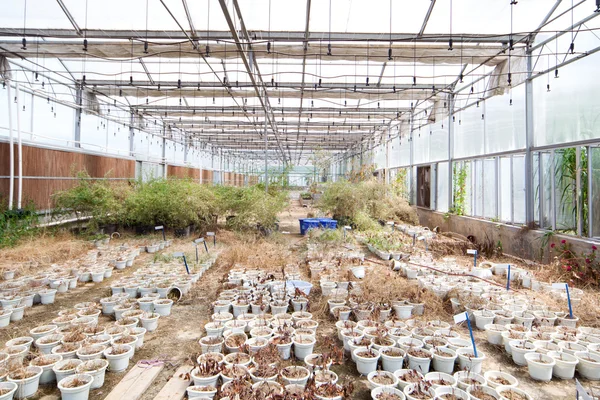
pixel 505 124
pixel 594 159
pixel 468 133
pixel 93 134
pixel 518 174
pixel 140 145
pixel 476 16
pixel 380 157
pixel 468 165
pixel 442 187
pixel 438 141
pixel 5 103
pixel 55 128
pixel 421 145
pixel 490 198
pixel 40 14
pixel 403 153
pixel 365 16
pixel 477 192
pixel 569 111
pixel 118 140
pixel 505 189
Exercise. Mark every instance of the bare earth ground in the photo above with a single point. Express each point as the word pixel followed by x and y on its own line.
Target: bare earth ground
pixel 177 336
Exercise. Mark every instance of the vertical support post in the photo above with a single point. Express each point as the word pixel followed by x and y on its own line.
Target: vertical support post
pixel 412 190
pixel 387 160
pixel 590 194
pixel 131 135
pixel 529 196
pixel 450 151
pixel 79 105
pixel 497 186
pixel 512 191
pixel 11 181
pixel 553 188
pixel 266 159
pixel 541 190
pixel 19 151
pixel 164 153
pixel 579 207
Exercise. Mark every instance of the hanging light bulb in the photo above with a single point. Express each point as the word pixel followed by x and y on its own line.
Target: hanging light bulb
pixel 207 51
pixel 24 44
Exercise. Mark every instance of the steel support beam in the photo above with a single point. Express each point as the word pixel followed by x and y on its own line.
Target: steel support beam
pixel 70 17
pixel 189 18
pixel 79 103
pixel 426 20
pixel 305 45
pixel 275 36
pixel 151 81
pixel 529 132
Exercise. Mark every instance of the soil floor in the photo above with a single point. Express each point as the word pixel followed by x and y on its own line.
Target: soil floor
pixel 176 339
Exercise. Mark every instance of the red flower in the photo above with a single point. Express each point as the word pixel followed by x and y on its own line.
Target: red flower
pixel 587 260
pixel 594 248
pixel 563 241
pixel 568 267
pixel 552 245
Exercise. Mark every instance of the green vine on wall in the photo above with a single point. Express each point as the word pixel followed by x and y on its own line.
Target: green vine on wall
pixel 459 195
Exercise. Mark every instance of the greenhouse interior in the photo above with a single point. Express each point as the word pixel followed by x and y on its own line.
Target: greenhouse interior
pixel 388 200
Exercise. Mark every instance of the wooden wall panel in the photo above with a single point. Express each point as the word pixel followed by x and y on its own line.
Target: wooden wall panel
pixel 183 172
pixel 207 176
pixel 60 165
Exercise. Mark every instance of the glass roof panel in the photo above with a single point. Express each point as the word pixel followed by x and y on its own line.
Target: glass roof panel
pixel 40 14
pixel 487 17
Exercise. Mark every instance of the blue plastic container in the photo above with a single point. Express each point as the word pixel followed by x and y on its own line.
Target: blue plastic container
pixel 314 223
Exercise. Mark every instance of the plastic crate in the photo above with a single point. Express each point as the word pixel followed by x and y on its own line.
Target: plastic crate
pixel 311 223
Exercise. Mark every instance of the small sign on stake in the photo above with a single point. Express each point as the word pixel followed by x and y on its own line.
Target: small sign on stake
pixel 464 316
pixel 214 238
pixel 581 394
pixel 161 228
pixel 565 286
pixel 181 254
pixel 346 228
pixel 198 241
pixel 508 278
pixel 474 252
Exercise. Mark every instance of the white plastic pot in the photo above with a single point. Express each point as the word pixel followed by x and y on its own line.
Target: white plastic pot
pixel 358 272
pixel 518 349
pixel 118 362
pixel 150 322
pixel 108 305
pixel 366 365
pixel 420 364
pixel 5 318
pixel 202 380
pixel 485 389
pixel 96 369
pixel 146 304
pixel 200 392
pixel 493 333
pixel 301 350
pixel 589 365
pixel 11 387
pixel 503 389
pixel 163 307
pixel 402 310
pixel 77 393
pixel 48 296
pixel 442 362
pixel 465 379
pixel 392 363
pixel 63 373
pixel 565 364
pixel 540 366
pixel 492 376
pixel 466 362
pixel 29 386
pixel 48 374
pixel 373 384
pixel 483 318
pixel 17 313
pixel 139 333
pixel 375 393
pixel 458 393
pixel 296 381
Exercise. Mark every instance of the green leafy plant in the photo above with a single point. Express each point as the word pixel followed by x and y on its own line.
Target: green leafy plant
pixel 16 225
pixel 459 195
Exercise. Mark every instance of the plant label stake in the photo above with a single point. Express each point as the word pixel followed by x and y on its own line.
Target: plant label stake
pixel 508 278
pixel 566 287
pixel 474 252
pixel 214 238
pixel 196 242
pixel 346 228
pixel 181 254
pixel 464 316
pixel 161 228
pixel 581 394
pixel 391 224
pixel 414 239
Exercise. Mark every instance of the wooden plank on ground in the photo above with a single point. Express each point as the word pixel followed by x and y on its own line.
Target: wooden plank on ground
pixel 135 383
pixel 176 386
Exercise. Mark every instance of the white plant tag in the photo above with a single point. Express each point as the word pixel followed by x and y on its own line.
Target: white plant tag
pixel 460 317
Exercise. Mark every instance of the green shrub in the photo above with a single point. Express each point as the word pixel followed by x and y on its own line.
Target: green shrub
pixel 99 198
pixel 250 206
pixel 365 203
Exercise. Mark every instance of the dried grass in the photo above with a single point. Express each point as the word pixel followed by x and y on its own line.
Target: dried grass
pixel 45 250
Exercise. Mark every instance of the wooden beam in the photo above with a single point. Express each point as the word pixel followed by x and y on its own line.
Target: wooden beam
pixel 175 388
pixel 135 383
